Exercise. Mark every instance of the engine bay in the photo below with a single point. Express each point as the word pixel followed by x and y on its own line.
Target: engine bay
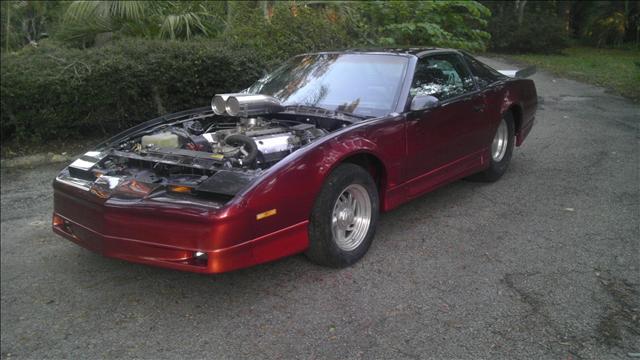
pixel 250 143
pixel 196 154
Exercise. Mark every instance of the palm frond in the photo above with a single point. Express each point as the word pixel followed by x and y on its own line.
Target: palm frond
pixel 85 31
pixel 79 10
pixel 128 10
pixel 182 26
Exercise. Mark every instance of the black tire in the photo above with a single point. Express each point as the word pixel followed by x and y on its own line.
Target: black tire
pixel 323 249
pixel 498 168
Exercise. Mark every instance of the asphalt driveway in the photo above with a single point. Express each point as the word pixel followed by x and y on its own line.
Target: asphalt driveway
pixel 542 264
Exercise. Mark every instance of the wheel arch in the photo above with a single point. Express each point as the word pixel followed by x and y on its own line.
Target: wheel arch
pixel 372 164
pixel 516 112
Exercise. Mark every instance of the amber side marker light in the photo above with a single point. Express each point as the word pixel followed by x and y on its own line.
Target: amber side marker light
pixel 180 188
pixel 57 221
pixel 266 214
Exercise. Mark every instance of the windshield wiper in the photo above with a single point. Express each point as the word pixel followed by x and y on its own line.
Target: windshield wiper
pixel 324 112
pixel 361 117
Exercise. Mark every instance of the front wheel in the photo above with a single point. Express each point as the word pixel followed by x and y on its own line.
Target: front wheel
pixel 344 217
pixel 501 151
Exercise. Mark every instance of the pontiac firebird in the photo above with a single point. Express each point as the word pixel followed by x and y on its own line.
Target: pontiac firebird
pixel 304 160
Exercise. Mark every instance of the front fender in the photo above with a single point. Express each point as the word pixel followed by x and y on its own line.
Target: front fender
pixel 292 185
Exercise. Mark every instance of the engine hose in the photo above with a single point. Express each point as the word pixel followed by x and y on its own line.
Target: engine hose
pixel 249 145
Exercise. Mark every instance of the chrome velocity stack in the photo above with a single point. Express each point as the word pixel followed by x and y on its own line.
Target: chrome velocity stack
pixel 252 105
pixel 219 103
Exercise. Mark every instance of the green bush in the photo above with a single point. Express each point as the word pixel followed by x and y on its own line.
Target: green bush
pixel 52 92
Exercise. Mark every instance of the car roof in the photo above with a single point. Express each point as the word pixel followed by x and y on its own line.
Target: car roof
pixel 412 51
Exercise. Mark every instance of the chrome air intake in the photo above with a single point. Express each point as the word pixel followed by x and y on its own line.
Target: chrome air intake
pixel 252 105
pixel 219 103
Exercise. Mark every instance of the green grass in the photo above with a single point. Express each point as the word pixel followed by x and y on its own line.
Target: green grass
pixel 615 69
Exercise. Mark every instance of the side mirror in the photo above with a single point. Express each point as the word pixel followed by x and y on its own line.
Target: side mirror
pixel 424 102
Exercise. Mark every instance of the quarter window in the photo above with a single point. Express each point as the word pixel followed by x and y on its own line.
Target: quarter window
pixel 443 76
pixel 484 74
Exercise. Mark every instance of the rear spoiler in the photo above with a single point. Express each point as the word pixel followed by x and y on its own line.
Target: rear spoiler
pixel 524 73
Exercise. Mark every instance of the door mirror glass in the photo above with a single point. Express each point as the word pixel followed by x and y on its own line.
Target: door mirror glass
pixel 424 102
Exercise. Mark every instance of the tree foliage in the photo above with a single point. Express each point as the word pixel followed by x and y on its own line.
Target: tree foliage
pixel 436 23
pixel 287 30
pixel 84 20
pixel 27 22
pixel 516 25
pixel 82 67
pixel 606 23
pixel 432 23
pixel 549 26
pixel 523 26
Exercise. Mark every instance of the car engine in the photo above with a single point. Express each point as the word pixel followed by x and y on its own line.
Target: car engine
pixel 252 143
pixel 255 142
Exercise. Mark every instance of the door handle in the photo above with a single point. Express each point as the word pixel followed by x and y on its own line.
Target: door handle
pixel 479 108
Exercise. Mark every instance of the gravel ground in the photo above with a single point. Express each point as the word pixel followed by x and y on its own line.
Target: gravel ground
pixel 542 264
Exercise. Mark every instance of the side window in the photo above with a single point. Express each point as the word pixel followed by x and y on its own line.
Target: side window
pixel 484 74
pixel 443 76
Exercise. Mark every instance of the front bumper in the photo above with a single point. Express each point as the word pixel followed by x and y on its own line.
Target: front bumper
pixel 171 235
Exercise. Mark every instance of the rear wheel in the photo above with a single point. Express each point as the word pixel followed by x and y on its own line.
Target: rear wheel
pixel 344 217
pixel 501 151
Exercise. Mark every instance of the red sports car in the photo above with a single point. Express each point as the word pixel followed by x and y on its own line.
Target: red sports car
pixel 304 160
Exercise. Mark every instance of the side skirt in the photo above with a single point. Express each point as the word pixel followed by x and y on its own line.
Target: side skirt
pixel 436 178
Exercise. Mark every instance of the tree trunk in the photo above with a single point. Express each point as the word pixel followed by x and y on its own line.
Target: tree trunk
pixel 567 18
pixel 520 4
pixel 229 12
pixel 157 100
pixel 7 34
pixel 264 4
pixel 26 31
pixel 627 19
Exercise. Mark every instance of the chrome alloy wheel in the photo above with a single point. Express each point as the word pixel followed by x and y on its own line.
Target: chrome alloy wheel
pixel 351 217
pixel 500 142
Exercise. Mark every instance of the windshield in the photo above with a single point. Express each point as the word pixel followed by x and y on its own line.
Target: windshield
pixel 362 84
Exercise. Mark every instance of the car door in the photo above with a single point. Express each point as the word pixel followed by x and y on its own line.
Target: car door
pixel 491 84
pixel 444 141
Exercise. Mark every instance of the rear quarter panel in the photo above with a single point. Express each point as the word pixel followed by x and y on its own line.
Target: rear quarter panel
pixel 512 93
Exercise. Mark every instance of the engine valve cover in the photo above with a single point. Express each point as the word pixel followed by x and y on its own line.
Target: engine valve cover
pixel 268 144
